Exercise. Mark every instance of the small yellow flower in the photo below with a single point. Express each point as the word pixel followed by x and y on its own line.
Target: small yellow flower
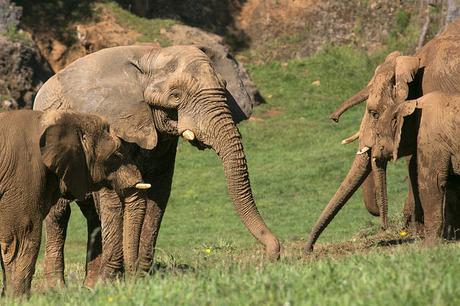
pixel 208 251
pixel 110 299
pixel 403 233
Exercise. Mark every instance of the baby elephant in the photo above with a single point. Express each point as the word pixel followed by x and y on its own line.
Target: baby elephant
pixel 43 156
pixel 430 128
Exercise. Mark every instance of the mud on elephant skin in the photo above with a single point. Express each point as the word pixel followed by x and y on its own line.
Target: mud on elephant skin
pixel 151 96
pixel 44 156
pixel 434 67
pixel 428 128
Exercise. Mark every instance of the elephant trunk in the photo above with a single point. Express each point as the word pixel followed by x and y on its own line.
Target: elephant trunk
pixel 359 97
pixel 134 212
pixel 356 175
pixel 226 142
pixel 379 170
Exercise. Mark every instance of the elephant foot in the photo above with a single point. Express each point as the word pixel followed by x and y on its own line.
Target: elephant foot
pixel 433 235
pixel 430 242
pixel 107 275
pixel 55 279
pixel 92 273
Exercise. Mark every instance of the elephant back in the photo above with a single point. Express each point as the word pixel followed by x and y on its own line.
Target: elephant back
pixel 105 83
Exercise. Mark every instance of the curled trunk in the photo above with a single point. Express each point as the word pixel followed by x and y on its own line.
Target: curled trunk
pixel 226 141
pixel 356 175
pixel 359 97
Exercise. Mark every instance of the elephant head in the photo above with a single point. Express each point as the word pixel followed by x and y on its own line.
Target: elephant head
pixel 397 131
pixel 391 84
pixel 150 94
pixel 190 98
pixel 82 151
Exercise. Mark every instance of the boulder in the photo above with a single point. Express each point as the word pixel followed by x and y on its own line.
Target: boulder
pixel 22 69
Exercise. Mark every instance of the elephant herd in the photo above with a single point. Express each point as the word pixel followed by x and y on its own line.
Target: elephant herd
pixel 104 133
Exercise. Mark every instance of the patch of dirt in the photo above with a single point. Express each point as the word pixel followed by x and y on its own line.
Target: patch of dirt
pixel 89 37
pixel 271 112
pixel 384 241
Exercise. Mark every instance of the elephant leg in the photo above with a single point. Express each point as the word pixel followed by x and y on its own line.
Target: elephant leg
pixel 432 183
pixel 19 256
pixel 56 230
pixel 111 213
pixel 412 211
pixel 158 196
pixel 94 242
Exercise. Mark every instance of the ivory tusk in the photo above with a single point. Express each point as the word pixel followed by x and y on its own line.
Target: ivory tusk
pixel 350 139
pixel 188 135
pixel 143 185
pixel 363 150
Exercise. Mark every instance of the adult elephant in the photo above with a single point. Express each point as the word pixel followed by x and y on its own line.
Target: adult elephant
pixel 434 67
pixel 151 96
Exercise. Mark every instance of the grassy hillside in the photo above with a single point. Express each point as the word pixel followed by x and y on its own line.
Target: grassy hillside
pixel 296 163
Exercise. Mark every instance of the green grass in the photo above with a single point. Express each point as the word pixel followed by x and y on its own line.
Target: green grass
pixel 296 163
pixel 407 276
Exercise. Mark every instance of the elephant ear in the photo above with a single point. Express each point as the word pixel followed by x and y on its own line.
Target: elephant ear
pixel 404 109
pixel 405 70
pixel 107 83
pixel 137 126
pixel 62 153
pixel 237 79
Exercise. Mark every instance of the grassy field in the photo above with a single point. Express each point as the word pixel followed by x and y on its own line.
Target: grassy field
pixel 296 162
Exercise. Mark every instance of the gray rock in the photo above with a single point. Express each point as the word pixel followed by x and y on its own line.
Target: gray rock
pixel 22 72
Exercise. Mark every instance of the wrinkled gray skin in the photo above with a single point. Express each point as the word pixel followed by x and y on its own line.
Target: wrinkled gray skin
pixel 434 67
pixel 429 128
pixel 151 97
pixel 44 156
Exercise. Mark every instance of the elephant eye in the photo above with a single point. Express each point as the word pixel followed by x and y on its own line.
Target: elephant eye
pixel 374 114
pixel 175 95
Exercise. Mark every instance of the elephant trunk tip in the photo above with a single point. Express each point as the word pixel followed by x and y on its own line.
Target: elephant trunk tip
pixel 273 249
pixel 334 117
pixel 308 249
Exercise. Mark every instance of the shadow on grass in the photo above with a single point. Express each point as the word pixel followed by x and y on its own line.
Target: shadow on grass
pixel 164 269
pixel 393 242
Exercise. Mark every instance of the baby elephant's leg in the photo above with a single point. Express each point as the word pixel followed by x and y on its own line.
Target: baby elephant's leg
pixel 56 229
pixel 432 181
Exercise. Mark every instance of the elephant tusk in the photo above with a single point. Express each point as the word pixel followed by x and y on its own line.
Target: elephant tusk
pixel 143 186
pixel 363 150
pixel 350 139
pixel 188 135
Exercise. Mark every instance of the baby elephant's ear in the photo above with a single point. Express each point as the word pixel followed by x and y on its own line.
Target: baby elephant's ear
pixel 63 154
pixel 405 109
